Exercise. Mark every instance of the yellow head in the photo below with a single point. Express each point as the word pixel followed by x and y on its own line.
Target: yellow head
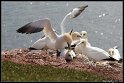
pixel 75 35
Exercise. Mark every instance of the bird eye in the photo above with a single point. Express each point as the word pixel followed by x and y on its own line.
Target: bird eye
pixel 82 42
pixel 112 52
pixel 84 34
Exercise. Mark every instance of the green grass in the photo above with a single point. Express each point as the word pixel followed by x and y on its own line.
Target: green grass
pixel 20 72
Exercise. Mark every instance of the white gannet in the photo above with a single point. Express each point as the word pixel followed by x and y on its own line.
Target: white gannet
pixel 84 35
pixel 57 41
pixel 73 14
pixel 75 37
pixel 45 26
pixel 68 54
pixel 114 53
pixel 93 53
pixel 78 48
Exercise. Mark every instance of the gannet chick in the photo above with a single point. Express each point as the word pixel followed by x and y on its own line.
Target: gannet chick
pixel 114 53
pixel 93 53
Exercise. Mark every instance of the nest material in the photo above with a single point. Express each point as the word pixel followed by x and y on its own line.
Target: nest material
pixel 111 70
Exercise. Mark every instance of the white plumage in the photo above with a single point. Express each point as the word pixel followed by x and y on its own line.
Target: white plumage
pixel 84 35
pixel 114 53
pixel 93 53
pixel 78 47
pixel 44 43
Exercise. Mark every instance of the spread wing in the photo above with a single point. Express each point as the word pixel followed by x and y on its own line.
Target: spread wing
pixel 32 27
pixel 37 26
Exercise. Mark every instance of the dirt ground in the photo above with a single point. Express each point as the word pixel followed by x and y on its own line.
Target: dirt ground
pixel 110 70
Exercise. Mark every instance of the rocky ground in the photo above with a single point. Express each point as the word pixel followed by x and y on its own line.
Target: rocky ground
pixel 113 71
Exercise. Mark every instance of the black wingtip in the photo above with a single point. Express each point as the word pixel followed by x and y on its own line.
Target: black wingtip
pixel 112 59
pixel 21 30
pixel 109 59
pixel 31 48
pixel 121 60
pixel 18 31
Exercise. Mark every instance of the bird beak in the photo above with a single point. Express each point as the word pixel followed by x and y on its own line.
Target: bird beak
pixel 79 36
pixel 71 32
pixel 81 9
pixel 78 43
pixel 69 46
pixel 43 36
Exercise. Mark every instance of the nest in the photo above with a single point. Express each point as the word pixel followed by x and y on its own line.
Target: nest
pixel 112 70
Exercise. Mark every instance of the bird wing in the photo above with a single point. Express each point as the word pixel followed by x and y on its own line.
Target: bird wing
pixel 37 26
pixel 39 44
pixel 32 27
pixel 97 53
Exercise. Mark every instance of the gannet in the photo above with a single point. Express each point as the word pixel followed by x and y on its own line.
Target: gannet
pixel 78 48
pixel 114 53
pixel 45 26
pixel 84 35
pixel 93 53
pixel 68 54
pixel 75 37
pixel 73 14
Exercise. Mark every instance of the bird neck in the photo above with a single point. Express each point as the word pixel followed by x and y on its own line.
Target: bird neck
pixel 67 38
pixel 85 44
pixel 63 23
pixel 86 40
